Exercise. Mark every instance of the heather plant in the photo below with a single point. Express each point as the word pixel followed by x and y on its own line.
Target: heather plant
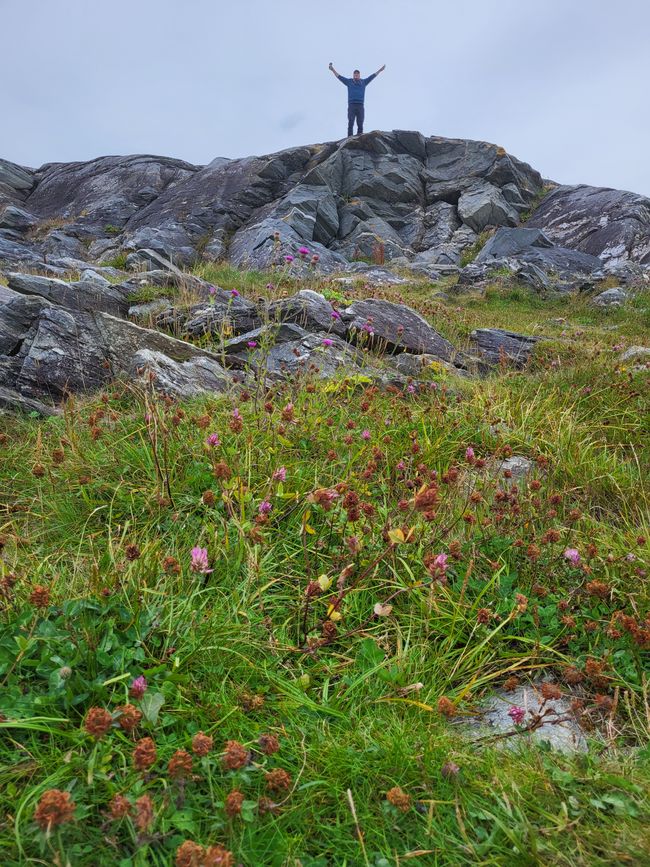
pixel 251 628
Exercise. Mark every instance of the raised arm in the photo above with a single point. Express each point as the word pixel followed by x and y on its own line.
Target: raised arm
pixel 374 75
pixel 331 67
pixel 381 69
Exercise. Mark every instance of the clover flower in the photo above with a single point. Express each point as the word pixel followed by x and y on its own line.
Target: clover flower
pixel 200 561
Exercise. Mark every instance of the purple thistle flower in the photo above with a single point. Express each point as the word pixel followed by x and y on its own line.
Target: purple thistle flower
pixel 335 314
pixel 517 714
pixel 410 388
pixel 469 453
pixel 327 342
pixel 303 251
pixel 365 434
pixel 200 561
pixel 251 344
pixel 573 556
pixel 138 687
pixel 279 475
pixel 235 293
pixel 212 290
pixel 288 258
pixel 213 440
pixel 264 507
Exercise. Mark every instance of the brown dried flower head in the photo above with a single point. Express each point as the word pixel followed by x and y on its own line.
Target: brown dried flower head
pixel 190 854
pixel 269 744
pixel 446 707
pixel 120 807
pixel 129 717
pixel 180 765
pixel 235 756
pixel 217 856
pixel 40 596
pixel 398 798
pixel 144 754
pixel 53 809
pixel 550 691
pixel 143 812
pixel 233 804
pixel 278 780
pixel 202 744
pixel 98 721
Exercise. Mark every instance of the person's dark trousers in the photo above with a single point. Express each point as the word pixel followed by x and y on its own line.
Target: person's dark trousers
pixel 355 112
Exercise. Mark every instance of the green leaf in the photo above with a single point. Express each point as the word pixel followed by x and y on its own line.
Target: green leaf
pixel 150 705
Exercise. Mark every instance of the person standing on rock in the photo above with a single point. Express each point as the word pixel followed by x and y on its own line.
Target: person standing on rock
pixel 356 90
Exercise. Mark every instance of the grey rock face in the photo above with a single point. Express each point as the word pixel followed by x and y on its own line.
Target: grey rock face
pixel 610 297
pixel 179 379
pixel 47 351
pixel 87 295
pixel 484 205
pixel 309 309
pixel 493 343
pixel 640 354
pixel 16 218
pixel 611 224
pixel 533 247
pixel 396 327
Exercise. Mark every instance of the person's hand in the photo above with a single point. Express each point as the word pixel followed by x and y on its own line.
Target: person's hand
pixel 331 66
pixel 383 67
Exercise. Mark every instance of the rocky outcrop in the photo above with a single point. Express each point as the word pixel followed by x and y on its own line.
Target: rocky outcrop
pixel 495 345
pixel 611 224
pixel 383 196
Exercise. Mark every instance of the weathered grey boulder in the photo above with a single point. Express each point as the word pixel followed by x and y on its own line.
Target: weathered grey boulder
pixel 149 260
pixel 234 315
pixel 47 351
pixel 17 402
pixel 493 344
pixel 179 379
pixel 309 309
pixel 613 297
pixel 395 327
pixel 484 205
pixel 13 217
pixel 640 354
pixel 611 224
pixel 80 295
pixel 262 338
pixel 15 182
pixel 512 242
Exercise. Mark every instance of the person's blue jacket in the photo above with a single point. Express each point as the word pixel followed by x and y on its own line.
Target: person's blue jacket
pixel 356 89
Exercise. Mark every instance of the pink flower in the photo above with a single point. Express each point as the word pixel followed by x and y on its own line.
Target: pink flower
pixel 469 454
pixel 236 414
pixel 410 388
pixel 517 714
pixel 327 342
pixel 264 507
pixel 573 556
pixel 365 434
pixel 335 314
pixel 235 293
pixel 270 286
pixel 288 258
pixel 315 258
pixel 200 561
pixel 440 561
pixel 138 687
pixel 212 290
pixel 213 440
pixel 251 344
pixel 303 251
pixel 279 475
pixel 437 567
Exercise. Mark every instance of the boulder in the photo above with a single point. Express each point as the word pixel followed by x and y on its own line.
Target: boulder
pixel 613 297
pixel 47 351
pixel 309 309
pixel 395 328
pixel 13 217
pixel 179 379
pixel 611 224
pixel 484 205
pixel 491 344
pixel 86 295
pixel 640 354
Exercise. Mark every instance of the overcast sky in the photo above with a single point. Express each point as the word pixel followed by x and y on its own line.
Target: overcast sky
pixel 561 84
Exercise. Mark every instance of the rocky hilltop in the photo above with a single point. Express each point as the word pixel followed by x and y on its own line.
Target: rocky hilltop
pixel 426 207
pixel 424 199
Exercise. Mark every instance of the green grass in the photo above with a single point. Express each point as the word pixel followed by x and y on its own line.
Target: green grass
pixel 103 506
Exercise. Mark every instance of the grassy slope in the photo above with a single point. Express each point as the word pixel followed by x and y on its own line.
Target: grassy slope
pixel 226 650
